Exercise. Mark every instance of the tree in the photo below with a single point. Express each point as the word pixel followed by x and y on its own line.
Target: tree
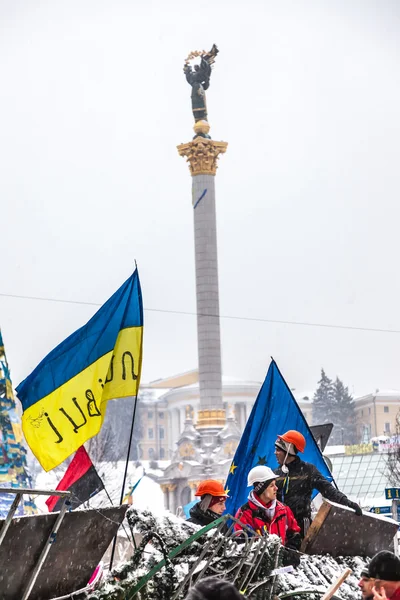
pixel 393 459
pixel 323 401
pixel 334 404
pixel 111 443
pixel 343 415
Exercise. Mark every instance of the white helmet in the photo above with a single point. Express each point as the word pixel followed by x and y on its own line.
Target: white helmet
pixel 260 473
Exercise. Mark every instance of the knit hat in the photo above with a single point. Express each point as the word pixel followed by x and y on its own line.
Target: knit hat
pixel 216 500
pixel 365 573
pixel 261 486
pixel 286 447
pixel 385 565
pixel 214 588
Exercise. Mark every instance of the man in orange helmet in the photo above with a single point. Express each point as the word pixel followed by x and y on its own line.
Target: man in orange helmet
pixel 212 502
pixel 297 479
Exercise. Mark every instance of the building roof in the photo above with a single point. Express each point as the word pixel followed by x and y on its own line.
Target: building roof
pixel 361 476
pixel 380 395
pixel 175 381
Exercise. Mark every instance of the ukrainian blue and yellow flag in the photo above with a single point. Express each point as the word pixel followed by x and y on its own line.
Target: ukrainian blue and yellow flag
pixel 65 398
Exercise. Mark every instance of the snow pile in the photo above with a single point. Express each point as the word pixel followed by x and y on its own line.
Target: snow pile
pixel 220 555
pixel 147 496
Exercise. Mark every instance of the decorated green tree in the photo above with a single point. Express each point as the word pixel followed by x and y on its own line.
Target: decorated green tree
pixel 13 467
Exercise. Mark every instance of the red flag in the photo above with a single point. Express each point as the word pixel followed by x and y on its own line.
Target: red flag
pixel 81 479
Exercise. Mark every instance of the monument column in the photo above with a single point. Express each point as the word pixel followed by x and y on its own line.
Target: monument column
pixel 202 154
pixel 202 452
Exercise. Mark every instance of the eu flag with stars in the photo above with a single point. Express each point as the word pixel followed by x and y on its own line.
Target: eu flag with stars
pixel 274 412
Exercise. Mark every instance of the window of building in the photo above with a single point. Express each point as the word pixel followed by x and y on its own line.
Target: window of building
pixel 149 414
pixel 161 433
pixel 362 412
pixel 386 409
pixel 151 433
pixel 387 427
pixel 161 415
pixel 151 453
pixel 162 453
pixel 369 410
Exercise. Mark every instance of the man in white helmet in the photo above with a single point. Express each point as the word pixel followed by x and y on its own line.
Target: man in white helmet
pixel 264 513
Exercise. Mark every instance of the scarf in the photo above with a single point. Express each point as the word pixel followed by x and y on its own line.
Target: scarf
pixel 269 508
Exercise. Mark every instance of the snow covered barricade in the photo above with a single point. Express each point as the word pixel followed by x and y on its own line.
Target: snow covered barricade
pixel 174 554
pixel 337 530
pixel 75 551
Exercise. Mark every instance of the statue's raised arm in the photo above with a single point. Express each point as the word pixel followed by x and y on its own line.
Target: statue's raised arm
pixel 199 78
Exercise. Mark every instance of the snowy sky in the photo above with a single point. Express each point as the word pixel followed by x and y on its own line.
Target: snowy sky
pixel 307 93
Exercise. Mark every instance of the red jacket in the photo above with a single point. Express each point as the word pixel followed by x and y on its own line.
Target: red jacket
pixel 396 595
pixel 283 522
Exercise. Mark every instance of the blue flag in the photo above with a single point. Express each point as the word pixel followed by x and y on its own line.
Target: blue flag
pixel 274 412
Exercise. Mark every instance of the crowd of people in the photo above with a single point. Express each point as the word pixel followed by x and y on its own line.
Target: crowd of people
pixel 279 502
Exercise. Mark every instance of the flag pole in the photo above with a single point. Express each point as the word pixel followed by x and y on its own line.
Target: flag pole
pixel 123 526
pixel 307 425
pixel 125 474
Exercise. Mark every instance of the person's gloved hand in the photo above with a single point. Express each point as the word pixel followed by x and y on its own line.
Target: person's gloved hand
pixel 293 541
pixel 290 557
pixel 356 508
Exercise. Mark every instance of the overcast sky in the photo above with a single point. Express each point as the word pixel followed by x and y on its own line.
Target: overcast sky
pixel 93 102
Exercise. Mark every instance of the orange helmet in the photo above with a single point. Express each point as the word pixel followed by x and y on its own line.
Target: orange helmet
pixel 210 486
pixel 296 438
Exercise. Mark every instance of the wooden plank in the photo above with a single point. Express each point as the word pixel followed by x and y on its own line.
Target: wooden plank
pixel 336 584
pixel 82 540
pixel 340 532
pixel 315 526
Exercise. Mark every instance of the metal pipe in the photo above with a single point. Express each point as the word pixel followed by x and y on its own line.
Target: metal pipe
pixel 9 517
pixel 46 549
pixel 31 491
pixel 376 428
pixel 395 518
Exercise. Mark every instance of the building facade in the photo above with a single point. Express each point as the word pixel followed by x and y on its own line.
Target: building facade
pixel 377 414
pixel 163 415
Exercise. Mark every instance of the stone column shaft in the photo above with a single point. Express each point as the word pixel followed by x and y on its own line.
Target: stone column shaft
pixel 207 294
pixel 202 155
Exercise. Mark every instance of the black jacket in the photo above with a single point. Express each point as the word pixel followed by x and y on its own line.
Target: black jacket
pixel 295 489
pixel 201 517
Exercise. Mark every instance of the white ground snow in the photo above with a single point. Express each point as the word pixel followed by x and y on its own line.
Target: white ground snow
pixel 148 495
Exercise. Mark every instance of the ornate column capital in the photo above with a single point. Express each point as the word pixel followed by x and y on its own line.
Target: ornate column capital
pixel 202 155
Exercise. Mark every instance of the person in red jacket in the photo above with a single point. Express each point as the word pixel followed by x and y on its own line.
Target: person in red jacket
pixel 264 514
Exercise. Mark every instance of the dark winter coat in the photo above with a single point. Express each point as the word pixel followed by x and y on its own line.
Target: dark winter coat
pixel 282 523
pixel 295 489
pixel 201 517
pixel 214 588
